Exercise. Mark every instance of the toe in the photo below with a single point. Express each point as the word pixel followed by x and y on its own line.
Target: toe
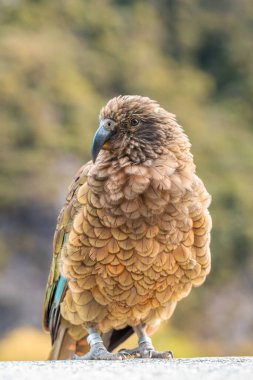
pixel 84 357
pixel 147 354
pixel 108 356
pixel 76 357
pixel 117 357
pixel 161 355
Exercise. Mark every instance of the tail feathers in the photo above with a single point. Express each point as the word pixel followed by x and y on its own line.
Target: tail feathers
pixel 65 347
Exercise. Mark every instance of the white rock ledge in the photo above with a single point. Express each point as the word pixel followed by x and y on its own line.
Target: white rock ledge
pixel 228 368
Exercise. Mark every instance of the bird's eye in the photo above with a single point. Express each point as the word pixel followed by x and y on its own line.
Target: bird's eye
pixel 134 122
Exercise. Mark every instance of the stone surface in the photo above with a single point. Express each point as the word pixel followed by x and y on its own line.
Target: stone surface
pixel 227 368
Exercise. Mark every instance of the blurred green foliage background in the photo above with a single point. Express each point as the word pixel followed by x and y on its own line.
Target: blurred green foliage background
pixel 60 61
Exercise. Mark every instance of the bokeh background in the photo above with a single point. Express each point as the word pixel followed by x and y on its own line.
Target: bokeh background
pixel 60 61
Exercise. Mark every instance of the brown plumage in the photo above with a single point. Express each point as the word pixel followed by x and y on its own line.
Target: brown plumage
pixel 133 236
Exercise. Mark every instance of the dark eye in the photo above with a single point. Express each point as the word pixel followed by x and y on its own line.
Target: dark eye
pixel 134 122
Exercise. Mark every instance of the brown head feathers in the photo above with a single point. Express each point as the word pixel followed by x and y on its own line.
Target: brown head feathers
pixel 143 130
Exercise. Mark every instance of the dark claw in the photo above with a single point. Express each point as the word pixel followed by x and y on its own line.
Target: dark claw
pixel 126 354
pixel 170 354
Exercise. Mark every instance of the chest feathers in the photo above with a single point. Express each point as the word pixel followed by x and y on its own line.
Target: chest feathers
pixel 142 202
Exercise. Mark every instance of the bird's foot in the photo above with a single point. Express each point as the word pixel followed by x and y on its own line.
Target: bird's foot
pixel 147 351
pixel 99 352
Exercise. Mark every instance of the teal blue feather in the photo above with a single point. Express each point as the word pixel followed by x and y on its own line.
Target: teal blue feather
pixel 54 310
pixel 59 290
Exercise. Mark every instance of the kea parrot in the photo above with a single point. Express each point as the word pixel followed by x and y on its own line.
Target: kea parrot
pixel 132 238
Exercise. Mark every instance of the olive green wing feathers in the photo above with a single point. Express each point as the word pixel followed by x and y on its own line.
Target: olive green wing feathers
pixel 57 284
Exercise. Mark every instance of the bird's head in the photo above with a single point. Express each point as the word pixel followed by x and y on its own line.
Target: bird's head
pixel 135 127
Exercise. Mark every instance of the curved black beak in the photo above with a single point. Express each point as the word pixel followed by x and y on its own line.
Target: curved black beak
pixel 102 135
